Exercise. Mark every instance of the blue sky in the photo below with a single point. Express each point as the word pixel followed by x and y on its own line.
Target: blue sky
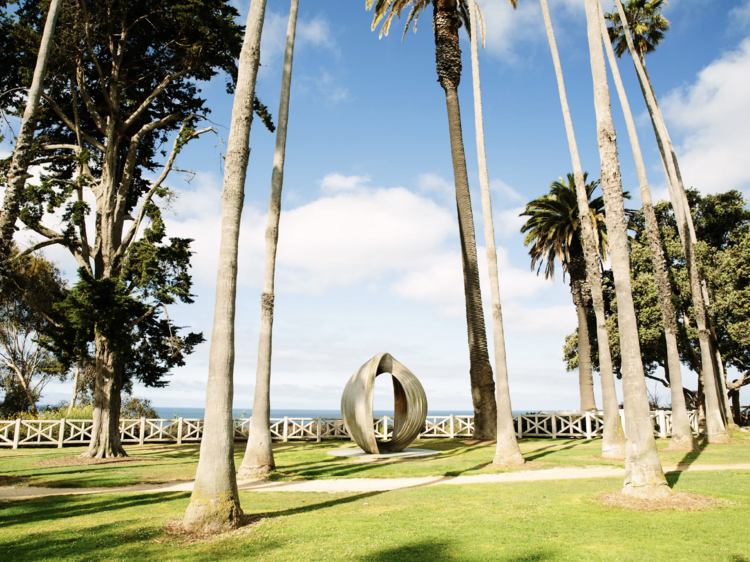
pixel 368 246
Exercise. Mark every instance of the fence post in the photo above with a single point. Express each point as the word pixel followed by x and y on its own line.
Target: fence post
pixel 452 432
pixel 17 434
pixel 286 426
pixel 179 431
pixel 142 433
pixel 662 424
pixel 588 425
pixel 554 426
pixel 319 430
pixel 62 434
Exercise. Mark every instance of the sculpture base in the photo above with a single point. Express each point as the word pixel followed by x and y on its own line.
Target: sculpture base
pixel 405 454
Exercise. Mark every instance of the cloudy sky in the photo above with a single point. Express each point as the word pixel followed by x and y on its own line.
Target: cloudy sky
pixel 368 256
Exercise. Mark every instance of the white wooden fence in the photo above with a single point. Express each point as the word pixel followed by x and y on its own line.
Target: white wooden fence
pixel 553 425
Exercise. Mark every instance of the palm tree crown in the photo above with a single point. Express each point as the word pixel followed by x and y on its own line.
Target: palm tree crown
pixel 554 228
pixel 646 24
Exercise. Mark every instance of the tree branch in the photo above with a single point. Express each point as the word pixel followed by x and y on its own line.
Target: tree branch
pixel 56 108
pixel 151 97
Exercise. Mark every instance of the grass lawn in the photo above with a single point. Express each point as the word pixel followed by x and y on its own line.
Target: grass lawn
pixel 522 522
pixel 309 460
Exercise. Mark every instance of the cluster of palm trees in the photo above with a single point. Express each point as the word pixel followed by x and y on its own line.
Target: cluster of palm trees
pixel 564 225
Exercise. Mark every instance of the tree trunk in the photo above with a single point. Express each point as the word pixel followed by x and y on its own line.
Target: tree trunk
pixel 19 165
pixel 258 459
pixel 613 442
pixel 448 62
pixel 214 504
pixel 585 376
pixel 507 452
pixel 643 473
pixel 715 428
pixel 105 433
pixel 682 433
pixel 75 389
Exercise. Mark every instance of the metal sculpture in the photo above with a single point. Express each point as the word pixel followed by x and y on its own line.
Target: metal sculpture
pixel 410 405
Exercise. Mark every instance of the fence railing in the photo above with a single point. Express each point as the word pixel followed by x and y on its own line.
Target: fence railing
pixel 553 425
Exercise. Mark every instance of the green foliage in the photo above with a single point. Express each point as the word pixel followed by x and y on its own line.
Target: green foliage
pixel 722 224
pixel 133 408
pixel 647 26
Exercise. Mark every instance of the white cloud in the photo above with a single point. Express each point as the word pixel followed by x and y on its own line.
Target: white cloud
pixel 713 116
pixel 315 32
pixel 509 222
pixel 336 183
pixel 505 191
pixel 740 15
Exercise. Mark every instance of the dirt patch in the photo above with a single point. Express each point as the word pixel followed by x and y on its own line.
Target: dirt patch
pixel 80 461
pixel 176 529
pixel 6 480
pixel 678 501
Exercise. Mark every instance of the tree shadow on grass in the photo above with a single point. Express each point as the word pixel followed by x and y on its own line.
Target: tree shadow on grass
pixel 59 507
pixel 435 551
pixel 547 450
pixel 682 465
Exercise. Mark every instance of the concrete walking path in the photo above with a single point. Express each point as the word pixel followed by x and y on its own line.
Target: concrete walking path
pixel 364 484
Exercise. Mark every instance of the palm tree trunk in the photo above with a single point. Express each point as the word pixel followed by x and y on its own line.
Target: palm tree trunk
pixel 258 459
pixel 715 428
pixel 682 433
pixel 507 452
pixel 214 504
pixel 19 165
pixel 448 62
pixel 585 375
pixel 613 442
pixel 643 473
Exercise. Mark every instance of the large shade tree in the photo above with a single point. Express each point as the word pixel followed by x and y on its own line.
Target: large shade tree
pixel 553 230
pixel 447 17
pixel 122 79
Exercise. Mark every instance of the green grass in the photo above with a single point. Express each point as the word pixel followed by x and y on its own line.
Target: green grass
pixel 521 522
pixel 308 460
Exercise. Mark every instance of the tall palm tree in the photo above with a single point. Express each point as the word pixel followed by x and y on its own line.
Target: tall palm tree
pixel 506 451
pixel 643 472
pixel 258 459
pixel 554 232
pixel 613 442
pixel 682 433
pixel 447 18
pixel 714 389
pixel 214 503
pixel 22 155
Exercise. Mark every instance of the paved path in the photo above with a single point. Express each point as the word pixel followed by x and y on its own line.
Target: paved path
pixel 366 484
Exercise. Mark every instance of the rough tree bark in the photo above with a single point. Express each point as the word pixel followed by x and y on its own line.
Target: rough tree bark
pixel 214 503
pixel 448 62
pixel 581 298
pixel 643 473
pixel 715 428
pixel 682 433
pixel 507 452
pixel 613 442
pixel 258 458
pixel 19 165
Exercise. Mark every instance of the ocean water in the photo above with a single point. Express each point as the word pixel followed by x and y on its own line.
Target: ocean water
pixel 166 412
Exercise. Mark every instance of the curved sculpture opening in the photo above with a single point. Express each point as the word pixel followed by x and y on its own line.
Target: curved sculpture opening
pixel 410 405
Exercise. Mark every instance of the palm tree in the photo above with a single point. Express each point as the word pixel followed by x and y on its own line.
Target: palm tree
pixel 715 428
pixel 506 451
pixel 554 232
pixel 215 504
pixel 22 155
pixel 643 472
pixel 682 433
pixel 447 18
pixel 613 442
pixel 258 459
